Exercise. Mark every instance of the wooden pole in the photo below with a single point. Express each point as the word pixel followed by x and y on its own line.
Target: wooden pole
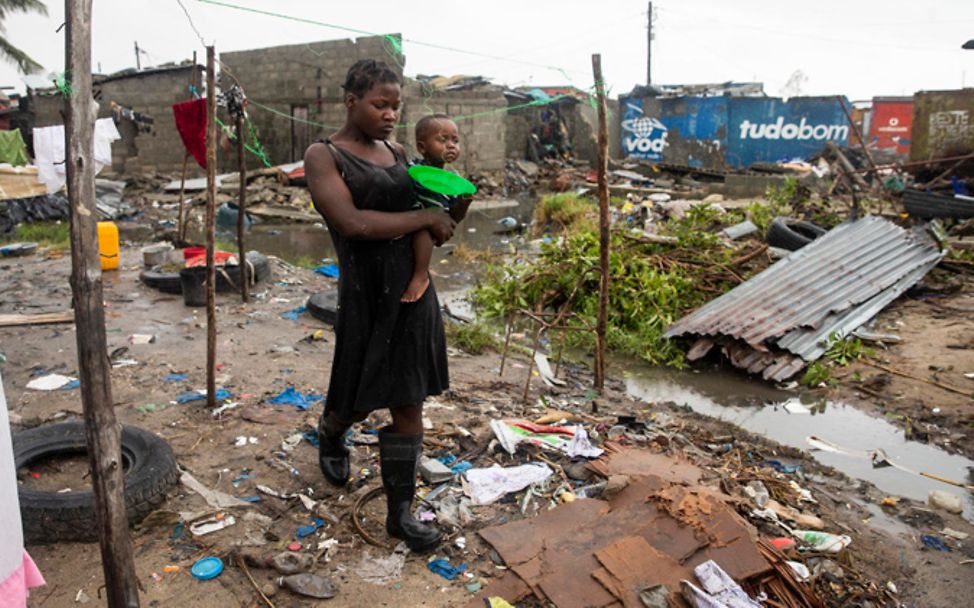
pixel 210 233
pixel 242 209
pixel 603 169
pixel 181 225
pixel 102 431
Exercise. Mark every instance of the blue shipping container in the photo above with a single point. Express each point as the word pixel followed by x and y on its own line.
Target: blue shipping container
pixel 773 130
pixel 678 130
pixel 722 132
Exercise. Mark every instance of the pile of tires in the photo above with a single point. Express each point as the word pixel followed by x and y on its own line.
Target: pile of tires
pixel 227 277
pixel 50 517
pixel 791 234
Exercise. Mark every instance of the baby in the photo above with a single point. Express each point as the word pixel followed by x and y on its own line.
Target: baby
pixel 438 141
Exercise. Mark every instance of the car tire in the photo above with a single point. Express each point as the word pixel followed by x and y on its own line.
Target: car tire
pixel 791 234
pixel 50 517
pixel 324 306
pixel 226 278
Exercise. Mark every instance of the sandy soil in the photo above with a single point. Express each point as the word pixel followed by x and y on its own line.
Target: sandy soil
pixel 259 354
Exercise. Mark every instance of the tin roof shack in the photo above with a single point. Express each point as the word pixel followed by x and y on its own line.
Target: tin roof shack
pixel 146 146
pixel 943 126
pixel 296 90
pixel 889 125
pixel 475 105
pixel 567 106
pixel 724 132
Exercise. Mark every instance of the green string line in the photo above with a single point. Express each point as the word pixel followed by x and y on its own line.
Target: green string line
pixel 394 44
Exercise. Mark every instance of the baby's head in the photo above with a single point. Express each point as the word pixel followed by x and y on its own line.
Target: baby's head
pixel 437 139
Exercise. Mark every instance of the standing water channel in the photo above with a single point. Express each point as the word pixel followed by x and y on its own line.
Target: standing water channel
pixel 790 420
pixel 748 403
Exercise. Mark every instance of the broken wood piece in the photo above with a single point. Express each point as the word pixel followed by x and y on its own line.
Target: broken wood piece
pixel 43 318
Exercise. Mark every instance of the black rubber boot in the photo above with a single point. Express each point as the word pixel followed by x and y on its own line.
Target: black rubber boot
pixel 332 453
pixel 398 457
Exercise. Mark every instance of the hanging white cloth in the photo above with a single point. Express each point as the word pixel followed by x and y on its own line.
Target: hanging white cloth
pixel 18 574
pixel 49 151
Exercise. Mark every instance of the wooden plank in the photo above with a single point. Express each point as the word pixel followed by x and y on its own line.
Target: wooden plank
pixel 43 318
pixel 602 171
pixel 102 431
pixel 242 209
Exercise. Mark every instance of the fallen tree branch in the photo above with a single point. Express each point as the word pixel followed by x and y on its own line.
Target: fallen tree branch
pixel 891 370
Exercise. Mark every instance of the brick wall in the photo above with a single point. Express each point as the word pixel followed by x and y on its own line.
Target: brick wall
pixel 295 78
pixel 479 114
pixel 151 92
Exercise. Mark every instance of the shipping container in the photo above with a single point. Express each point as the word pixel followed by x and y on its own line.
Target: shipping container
pixel 724 132
pixel 890 124
pixel 942 124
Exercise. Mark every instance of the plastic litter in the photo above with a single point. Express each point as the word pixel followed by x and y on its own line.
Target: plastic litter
pixel 801 570
pixel 310 528
pixel 141 339
pixel 444 569
pixel 484 486
pixel 176 378
pixel 933 542
pixel 198 394
pixel 822 541
pixel 214 498
pixel 946 501
pixel 328 270
pixel 756 490
pixel 454 511
pixel 52 382
pixel 290 396
pixel 783 543
pixel 573 441
pixel 309 585
pixel 719 589
pixel 955 534
pixel 544 369
pixel 781 467
pixel 383 570
pixel 292 315
pixel 207 568
pixel 213 524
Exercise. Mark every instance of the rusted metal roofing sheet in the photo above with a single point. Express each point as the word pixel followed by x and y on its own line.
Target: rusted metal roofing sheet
pixel 834 284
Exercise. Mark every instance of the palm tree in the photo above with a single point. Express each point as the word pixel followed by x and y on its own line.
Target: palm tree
pixel 9 51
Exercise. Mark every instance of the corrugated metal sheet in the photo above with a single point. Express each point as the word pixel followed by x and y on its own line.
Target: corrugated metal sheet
pixel 834 284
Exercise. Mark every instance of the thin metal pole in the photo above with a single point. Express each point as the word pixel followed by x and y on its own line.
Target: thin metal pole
pixel 242 210
pixel 181 224
pixel 210 233
pixel 602 170
pixel 649 45
pixel 102 431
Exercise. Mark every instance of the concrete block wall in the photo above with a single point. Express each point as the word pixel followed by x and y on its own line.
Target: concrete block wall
pixel 152 92
pixel 311 75
pixel 479 114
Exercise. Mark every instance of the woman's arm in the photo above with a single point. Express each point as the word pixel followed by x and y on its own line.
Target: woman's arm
pixel 334 202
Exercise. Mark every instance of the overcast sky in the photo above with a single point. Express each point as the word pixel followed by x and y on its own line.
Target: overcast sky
pixel 860 49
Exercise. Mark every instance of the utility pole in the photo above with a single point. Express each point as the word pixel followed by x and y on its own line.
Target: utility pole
pixel 649 45
pixel 138 60
pixel 102 431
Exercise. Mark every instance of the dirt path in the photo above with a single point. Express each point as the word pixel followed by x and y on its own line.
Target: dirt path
pixel 260 354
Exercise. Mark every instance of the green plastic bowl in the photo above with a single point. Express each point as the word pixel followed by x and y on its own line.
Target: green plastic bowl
pixel 441 181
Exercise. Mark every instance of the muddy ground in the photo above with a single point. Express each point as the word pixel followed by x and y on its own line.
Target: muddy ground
pixel 935 323
pixel 260 353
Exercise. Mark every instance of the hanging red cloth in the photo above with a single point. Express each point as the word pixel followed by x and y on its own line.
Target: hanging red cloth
pixel 191 123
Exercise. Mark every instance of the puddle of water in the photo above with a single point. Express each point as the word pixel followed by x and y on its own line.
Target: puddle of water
pixel 736 399
pixel 478 231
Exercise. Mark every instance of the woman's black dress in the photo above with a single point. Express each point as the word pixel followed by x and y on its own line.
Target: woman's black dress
pixel 387 353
